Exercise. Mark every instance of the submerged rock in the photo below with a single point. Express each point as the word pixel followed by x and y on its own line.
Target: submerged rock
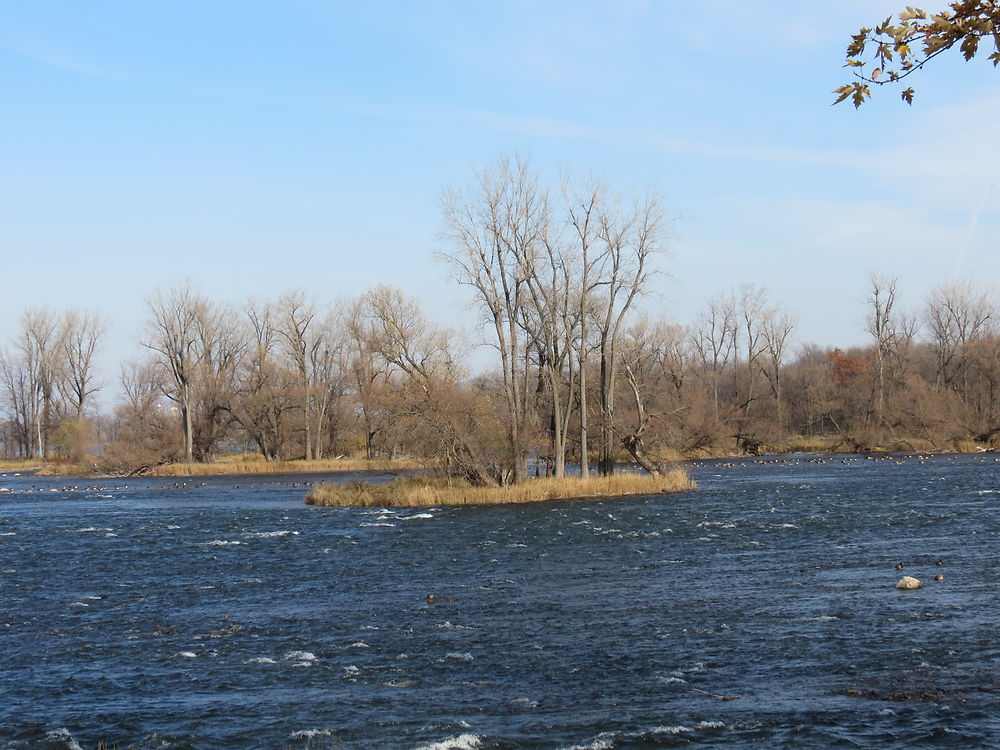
pixel 908 583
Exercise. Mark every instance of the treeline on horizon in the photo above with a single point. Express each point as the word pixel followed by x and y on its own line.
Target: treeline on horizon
pixel 579 370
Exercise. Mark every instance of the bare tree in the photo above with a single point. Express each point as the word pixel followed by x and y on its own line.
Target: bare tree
pixel 893 334
pixel 957 314
pixel 421 353
pixel 172 333
pixel 295 315
pixel 714 338
pixel 496 230
pixel 264 392
pixel 368 373
pixel 80 336
pixel 776 328
pixel 583 205
pixel 629 237
pixel 39 345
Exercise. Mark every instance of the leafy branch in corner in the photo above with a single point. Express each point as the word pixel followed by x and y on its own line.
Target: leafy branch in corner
pixel 899 47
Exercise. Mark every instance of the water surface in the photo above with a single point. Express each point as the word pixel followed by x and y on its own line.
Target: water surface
pixel 759 609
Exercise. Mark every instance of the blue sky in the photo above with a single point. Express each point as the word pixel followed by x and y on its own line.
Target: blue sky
pixel 257 147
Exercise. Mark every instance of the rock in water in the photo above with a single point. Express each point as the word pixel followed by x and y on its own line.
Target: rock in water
pixel 908 583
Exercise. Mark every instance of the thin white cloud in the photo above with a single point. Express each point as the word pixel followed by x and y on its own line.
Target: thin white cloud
pixel 48 53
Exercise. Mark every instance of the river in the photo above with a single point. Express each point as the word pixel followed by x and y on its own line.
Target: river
pixel 757 610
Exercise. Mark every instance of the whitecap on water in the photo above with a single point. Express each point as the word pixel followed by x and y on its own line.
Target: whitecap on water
pixel 524 703
pixel 447 625
pixel 260 660
pixel 188 654
pixel 601 742
pixel 63 735
pixel 301 658
pixel 269 534
pixel 351 671
pixel 222 543
pixel 359 644
pixel 416 515
pixel 391 525
pixel 308 734
pixel 90 530
pixel 681 729
pixel 461 742
pixel 456 656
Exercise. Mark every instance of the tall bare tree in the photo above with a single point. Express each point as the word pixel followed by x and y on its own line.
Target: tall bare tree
pixel 39 345
pixel 80 336
pixel 957 314
pixel 295 316
pixel 172 334
pixel 496 229
pixel 629 237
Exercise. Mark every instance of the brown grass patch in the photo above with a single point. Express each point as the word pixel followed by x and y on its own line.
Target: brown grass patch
pixel 251 464
pixel 425 491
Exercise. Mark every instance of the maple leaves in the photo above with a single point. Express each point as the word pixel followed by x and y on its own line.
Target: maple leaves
pixel 896 48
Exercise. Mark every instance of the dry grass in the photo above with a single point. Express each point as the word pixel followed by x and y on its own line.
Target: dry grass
pixel 45 468
pixel 969 446
pixel 426 491
pixel 252 464
pixel 242 463
pixel 19 464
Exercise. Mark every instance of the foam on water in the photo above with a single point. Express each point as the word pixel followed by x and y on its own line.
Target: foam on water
pixel 301 658
pixel 461 742
pixel 62 735
pixel 682 729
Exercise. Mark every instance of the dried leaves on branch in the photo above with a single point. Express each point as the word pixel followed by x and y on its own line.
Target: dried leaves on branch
pixel 899 46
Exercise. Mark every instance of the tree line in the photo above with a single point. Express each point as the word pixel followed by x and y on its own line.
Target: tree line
pixel 581 374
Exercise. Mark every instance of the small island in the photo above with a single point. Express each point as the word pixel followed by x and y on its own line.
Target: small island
pixel 431 491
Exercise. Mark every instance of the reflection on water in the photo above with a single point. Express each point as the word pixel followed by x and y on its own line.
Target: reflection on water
pixel 758 609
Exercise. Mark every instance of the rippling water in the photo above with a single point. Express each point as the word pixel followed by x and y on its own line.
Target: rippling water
pixel 759 609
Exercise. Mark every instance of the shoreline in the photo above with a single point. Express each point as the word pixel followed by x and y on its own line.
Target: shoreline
pixel 238 466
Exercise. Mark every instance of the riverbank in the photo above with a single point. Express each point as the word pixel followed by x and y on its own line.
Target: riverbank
pixel 250 464
pixel 236 465
pixel 416 492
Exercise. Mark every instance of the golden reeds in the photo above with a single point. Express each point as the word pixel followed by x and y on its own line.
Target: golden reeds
pixel 426 491
pixel 251 464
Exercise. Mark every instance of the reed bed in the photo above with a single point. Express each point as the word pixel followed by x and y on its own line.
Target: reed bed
pixel 415 492
pixel 257 465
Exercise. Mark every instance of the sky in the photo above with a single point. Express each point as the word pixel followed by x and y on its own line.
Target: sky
pixel 257 147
